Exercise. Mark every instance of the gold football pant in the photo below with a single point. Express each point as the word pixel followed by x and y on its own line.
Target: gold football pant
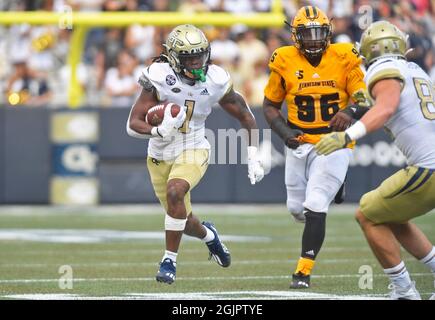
pixel 190 166
pixel 407 194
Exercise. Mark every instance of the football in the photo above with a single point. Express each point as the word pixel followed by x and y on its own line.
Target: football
pixel 155 114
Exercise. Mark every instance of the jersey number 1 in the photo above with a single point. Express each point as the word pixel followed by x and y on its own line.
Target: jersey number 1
pixel 190 104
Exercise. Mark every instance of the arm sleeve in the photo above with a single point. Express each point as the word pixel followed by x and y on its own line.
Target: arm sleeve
pixel 275 88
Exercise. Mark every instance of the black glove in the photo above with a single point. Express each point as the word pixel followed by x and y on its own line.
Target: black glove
pixel 289 136
pixel 355 111
pixel 291 140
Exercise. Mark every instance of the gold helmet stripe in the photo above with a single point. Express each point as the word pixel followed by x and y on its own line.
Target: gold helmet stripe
pixel 307 11
pixel 316 15
pixel 311 12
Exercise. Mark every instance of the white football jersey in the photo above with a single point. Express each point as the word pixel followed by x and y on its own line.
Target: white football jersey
pixel 197 99
pixel 413 125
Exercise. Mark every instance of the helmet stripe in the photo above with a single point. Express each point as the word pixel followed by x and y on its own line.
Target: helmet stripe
pixel 307 11
pixel 314 12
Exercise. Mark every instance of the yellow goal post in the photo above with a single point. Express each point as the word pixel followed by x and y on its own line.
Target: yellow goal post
pixel 80 22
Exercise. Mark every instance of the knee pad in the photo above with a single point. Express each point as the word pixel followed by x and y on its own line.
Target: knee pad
pixel 172 224
pixel 296 209
pixel 318 201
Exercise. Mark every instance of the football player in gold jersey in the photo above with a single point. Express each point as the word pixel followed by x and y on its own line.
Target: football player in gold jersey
pixel 316 80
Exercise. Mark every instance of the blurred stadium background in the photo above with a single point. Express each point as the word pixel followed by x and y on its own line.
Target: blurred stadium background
pixel 63 142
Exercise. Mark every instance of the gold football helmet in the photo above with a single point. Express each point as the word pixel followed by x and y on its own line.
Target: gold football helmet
pixel 188 51
pixel 311 31
pixel 382 39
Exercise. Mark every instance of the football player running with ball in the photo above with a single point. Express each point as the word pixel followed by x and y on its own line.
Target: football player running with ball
pixel 178 152
pixel 405 105
pixel 316 79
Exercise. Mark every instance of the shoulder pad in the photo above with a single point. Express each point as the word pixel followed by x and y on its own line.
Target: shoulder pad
pixel 218 75
pixel 145 82
pixel 279 57
pixel 383 69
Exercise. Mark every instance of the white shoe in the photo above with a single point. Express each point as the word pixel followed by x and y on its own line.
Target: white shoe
pixel 407 293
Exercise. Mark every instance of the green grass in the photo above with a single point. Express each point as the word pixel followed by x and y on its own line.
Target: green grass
pixel 122 267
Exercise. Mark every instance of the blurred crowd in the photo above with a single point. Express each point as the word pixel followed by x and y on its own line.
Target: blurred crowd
pixel 33 59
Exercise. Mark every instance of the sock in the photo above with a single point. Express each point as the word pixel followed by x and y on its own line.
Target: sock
pixel 305 266
pixel 429 260
pixel 171 255
pixel 209 236
pixel 314 234
pixel 398 275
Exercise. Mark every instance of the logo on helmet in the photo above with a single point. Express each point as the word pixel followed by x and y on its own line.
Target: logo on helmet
pixel 382 39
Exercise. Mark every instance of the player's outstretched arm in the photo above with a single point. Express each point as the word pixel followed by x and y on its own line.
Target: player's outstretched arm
pixel 387 98
pixel 272 113
pixel 236 106
pixel 136 125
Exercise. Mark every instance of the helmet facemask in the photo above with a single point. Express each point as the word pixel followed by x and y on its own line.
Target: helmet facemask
pixel 313 40
pixel 195 64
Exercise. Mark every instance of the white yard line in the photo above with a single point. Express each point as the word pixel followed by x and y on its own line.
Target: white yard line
pixel 182 263
pixel 102 236
pixel 145 251
pixel 331 276
pixel 230 295
pixel 226 295
pixel 154 209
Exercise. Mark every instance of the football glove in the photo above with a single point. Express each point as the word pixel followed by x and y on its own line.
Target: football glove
pixel 169 126
pixel 332 142
pixel 288 135
pixel 255 167
pixel 292 138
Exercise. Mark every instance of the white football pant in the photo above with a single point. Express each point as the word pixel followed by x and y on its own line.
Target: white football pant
pixel 312 181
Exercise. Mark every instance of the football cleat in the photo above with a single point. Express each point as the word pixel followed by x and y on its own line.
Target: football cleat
pixel 217 250
pixel 407 293
pixel 300 281
pixel 166 271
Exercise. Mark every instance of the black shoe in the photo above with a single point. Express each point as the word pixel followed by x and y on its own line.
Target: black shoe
pixel 300 281
pixel 339 197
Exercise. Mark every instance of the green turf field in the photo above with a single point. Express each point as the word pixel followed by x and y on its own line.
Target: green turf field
pixel 115 256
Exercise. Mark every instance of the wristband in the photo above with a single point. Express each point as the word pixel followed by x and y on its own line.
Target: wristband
pixel 356 131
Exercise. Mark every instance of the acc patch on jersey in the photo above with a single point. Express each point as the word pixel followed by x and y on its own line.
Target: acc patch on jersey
pixel 170 80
